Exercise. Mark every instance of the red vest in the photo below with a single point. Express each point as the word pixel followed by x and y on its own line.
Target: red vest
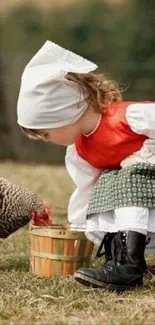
pixel 112 141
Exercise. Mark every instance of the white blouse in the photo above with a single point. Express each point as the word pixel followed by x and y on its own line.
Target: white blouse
pixel 141 119
pixel 84 177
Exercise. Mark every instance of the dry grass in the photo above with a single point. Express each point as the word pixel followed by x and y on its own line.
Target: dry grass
pixel 26 299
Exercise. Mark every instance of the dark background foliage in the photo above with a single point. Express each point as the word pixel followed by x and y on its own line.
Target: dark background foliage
pixel 120 38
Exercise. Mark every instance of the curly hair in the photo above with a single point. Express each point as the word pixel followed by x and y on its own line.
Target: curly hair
pixel 102 91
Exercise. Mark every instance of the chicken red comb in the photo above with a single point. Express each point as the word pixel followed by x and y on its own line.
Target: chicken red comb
pixel 42 218
pixel 49 211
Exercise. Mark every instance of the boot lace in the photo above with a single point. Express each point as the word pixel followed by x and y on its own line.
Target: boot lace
pixel 118 248
pixel 106 244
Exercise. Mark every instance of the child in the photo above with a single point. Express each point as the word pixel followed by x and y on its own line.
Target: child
pixel 110 157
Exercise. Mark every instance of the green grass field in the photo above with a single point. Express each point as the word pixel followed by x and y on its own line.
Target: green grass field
pixel 27 299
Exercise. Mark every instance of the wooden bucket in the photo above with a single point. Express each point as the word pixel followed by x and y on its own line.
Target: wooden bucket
pixel 57 251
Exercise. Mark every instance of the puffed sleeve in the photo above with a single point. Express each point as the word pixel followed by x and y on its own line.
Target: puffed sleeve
pixel 84 176
pixel 141 118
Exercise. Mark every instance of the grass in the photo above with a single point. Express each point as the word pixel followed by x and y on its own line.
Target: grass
pixel 27 299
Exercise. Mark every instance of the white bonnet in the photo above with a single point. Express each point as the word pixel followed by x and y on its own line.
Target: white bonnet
pixel 47 99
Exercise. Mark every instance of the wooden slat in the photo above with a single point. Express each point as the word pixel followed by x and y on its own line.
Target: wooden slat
pixel 54 252
pixel 48 261
pixel 41 250
pixel 52 246
pixel 37 260
pixel 58 264
pixel 71 253
pixel 65 252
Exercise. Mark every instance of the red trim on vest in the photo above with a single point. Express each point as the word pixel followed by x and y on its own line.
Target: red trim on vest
pixel 113 140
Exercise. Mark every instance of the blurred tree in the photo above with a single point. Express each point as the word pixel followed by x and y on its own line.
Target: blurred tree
pixel 5 148
pixel 3 118
pixel 141 55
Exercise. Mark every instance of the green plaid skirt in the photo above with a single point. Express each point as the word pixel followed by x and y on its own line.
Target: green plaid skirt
pixel 131 186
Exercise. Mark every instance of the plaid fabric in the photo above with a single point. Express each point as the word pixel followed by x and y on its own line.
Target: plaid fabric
pixel 131 186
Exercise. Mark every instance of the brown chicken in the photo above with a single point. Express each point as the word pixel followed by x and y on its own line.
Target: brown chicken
pixel 18 206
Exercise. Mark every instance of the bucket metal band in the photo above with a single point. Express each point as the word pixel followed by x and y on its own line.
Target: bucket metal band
pixel 59 234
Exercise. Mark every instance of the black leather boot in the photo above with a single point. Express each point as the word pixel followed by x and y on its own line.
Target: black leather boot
pixel 125 270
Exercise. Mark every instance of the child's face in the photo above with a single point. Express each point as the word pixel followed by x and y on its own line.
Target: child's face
pixel 65 135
